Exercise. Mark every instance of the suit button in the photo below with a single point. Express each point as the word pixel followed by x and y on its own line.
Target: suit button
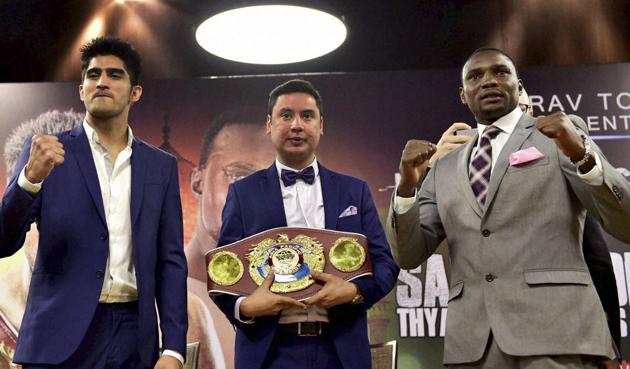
pixel 103 236
pixel 490 278
pixel 99 274
pixel 485 233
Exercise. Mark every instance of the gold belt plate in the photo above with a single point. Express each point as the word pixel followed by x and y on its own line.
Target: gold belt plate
pixel 225 268
pixel 292 259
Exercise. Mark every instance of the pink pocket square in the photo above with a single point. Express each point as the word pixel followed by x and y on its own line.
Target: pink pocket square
pixel 525 156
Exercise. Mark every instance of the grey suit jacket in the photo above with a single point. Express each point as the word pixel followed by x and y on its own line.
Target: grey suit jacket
pixel 517 267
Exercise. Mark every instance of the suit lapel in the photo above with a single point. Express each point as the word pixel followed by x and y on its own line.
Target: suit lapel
pixel 270 191
pixel 462 175
pixel 80 145
pixel 330 194
pixel 139 166
pixel 522 130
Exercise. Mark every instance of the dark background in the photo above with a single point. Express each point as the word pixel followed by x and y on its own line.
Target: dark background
pixel 41 38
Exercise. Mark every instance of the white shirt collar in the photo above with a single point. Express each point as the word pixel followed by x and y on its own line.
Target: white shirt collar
pixel 506 123
pixel 93 136
pixel 280 166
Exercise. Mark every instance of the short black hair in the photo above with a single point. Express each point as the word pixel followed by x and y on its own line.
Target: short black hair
pixel 244 115
pixel 494 49
pixel 109 45
pixel 295 85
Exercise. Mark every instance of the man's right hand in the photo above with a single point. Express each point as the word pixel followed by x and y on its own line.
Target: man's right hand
pixel 264 302
pixel 413 163
pixel 450 140
pixel 46 153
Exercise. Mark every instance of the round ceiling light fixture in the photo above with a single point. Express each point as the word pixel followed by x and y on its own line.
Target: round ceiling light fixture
pixel 271 34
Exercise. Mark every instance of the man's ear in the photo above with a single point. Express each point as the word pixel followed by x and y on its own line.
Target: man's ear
pixel 321 123
pixel 520 87
pixel 268 124
pixel 196 183
pixel 81 96
pixel 136 92
pixel 462 97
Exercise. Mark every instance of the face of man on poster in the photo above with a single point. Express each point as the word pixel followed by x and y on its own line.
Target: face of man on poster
pixel 237 151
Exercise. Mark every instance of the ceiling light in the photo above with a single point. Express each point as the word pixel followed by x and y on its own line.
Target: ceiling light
pixel 271 34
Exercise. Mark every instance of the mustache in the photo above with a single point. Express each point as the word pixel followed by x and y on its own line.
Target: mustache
pixel 102 93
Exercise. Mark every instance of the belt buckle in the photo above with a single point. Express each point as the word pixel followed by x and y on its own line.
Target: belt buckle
pixel 305 334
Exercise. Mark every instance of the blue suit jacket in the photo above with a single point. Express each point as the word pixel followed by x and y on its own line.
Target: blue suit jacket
pixel 254 204
pixel 73 248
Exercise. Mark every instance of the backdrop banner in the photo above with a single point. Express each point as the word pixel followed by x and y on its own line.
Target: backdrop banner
pixel 368 117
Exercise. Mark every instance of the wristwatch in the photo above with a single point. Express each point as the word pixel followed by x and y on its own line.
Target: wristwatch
pixel 358 298
pixel 587 152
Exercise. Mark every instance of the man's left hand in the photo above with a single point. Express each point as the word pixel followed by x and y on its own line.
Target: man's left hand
pixel 559 128
pixel 336 291
pixel 168 362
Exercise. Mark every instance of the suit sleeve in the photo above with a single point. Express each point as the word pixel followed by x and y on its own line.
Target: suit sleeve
pixel 18 210
pixel 609 202
pixel 384 269
pixel 171 270
pixel 231 231
pixel 416 234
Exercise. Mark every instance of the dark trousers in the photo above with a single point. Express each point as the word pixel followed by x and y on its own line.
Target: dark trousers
pixel 111 341
pixel 304 352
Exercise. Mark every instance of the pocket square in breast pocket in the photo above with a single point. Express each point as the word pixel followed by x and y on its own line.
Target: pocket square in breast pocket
pixel 525 156
pixel 350 210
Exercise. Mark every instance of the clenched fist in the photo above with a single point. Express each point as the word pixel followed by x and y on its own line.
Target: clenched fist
pixel 46 153
pixel 559 128
pixel 413 164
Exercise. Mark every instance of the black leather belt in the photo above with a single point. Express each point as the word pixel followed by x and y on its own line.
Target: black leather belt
pixel 304 329
pixel 120 306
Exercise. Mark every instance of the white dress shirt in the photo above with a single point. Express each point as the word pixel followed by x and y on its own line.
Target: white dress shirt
pixel 303 207
pixel 114 178
pixel 506 124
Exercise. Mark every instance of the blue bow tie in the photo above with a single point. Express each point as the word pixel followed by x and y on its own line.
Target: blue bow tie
pixel 289 176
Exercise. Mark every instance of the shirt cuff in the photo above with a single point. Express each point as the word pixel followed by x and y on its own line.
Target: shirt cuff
pixel 403 204
pixel 237 311
pixel 174 354
pixel 27 185
pixel 595 177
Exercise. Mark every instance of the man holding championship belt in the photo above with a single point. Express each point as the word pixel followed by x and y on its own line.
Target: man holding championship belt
pixel 277 325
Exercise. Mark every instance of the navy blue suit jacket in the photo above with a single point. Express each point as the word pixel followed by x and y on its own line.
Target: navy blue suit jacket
pixel 73 247
pixel 254 204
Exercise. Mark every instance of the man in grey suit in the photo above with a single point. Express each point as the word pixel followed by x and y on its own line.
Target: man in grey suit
pixel 511 202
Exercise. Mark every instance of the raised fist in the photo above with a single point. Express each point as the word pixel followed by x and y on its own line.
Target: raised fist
pixel 413 163
pixel 46 153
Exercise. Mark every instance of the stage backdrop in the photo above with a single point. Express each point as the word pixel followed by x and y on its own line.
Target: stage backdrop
pixel 368 118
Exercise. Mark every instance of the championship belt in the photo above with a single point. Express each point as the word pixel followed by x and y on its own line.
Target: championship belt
pixel 239 268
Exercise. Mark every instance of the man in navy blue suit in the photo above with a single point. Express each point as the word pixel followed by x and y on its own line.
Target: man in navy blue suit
pixel 110 244
pixel 328 330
